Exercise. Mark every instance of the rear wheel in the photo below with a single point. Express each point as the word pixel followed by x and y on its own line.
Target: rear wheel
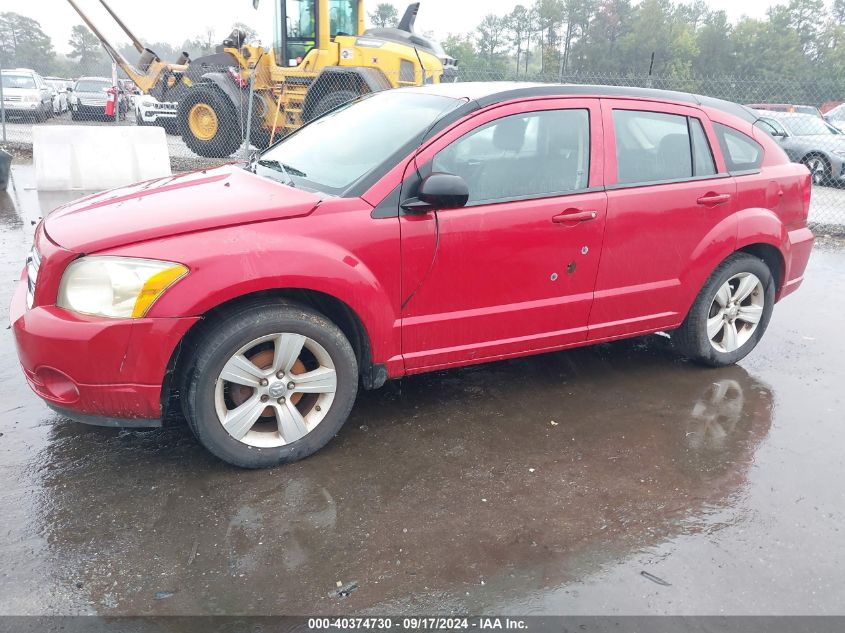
pixel 819 169
pixel 730 314
pixel 208 122
pixel 270 384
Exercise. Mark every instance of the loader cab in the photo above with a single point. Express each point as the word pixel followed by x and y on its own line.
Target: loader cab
pixel 303 25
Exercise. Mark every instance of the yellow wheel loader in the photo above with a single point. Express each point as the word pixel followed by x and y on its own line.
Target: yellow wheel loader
pixel 322 57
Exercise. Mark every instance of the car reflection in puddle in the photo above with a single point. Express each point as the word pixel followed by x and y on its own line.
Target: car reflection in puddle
pixel 529 473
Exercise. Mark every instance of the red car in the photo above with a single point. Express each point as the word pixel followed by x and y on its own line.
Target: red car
pixel 413 230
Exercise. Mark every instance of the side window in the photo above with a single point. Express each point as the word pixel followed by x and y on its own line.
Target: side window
pixel 702 156
pixel 742 153
pixel 533 155
pixel 651 146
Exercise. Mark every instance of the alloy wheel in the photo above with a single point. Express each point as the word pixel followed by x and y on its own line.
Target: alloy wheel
pixel 735 312
pixel 818 170
pixel 275 390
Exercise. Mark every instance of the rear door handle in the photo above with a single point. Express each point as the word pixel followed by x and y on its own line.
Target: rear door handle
pixel 573 215
pixel 714 199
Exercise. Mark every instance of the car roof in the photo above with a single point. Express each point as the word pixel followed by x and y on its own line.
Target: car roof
pixel 490 92
pixel 94 79
pixel 18 71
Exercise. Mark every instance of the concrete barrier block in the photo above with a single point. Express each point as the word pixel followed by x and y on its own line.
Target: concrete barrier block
pixel 93 158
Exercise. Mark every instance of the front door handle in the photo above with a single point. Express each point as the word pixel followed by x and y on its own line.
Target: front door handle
pixel 714 199
pixel 574 215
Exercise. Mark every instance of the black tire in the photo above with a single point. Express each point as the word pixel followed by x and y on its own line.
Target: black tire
pixel 820 170
pixel 227 139
pixel 222 338
pixel 332 100
pixel 691 338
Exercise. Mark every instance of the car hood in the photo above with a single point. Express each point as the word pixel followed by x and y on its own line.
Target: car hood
pixel 190 202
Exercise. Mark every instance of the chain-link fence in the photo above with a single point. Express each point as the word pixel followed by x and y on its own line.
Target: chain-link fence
pixel 217 122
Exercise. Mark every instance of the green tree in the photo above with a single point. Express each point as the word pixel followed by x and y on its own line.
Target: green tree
pixel 490 36
pixel 715 46
pixel 598 50
pixel 549 20
pixel 462 48
pixel 650 33
pixel 384 15
pixel 518 25
pixel 24 44
pixel 84 47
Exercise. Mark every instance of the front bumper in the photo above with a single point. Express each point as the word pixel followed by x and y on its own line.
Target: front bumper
pixel 95 370
pixel 17 108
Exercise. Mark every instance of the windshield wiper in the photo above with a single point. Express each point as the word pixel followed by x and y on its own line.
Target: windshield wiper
pixel 274 165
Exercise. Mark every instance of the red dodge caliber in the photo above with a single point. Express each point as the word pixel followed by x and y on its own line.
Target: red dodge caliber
pixel 413 230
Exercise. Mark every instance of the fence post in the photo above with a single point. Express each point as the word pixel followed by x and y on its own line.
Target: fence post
pixel 2 103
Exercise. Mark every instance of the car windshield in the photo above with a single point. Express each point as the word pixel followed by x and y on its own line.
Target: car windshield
pixel 18 81
pixel 336 150
pixel 805 125
pixel 92 86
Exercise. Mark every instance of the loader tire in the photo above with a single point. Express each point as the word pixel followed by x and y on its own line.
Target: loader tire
pixel 209 122
pixel 333 100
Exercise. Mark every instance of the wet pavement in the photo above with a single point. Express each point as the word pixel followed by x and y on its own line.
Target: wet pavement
pixel 616 479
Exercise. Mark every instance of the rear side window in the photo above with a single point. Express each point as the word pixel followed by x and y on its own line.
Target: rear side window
pixel 659 147
pixel 742 153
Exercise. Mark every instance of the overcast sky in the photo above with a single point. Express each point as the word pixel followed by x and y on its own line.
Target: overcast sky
pixel 175 20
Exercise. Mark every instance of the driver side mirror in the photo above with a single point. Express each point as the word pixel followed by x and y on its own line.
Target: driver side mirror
pixel 439 191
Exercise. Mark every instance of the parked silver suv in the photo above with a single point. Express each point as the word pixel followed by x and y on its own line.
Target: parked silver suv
pixel 26 94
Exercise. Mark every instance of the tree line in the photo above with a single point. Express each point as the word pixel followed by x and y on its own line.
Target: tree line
pixel 793 53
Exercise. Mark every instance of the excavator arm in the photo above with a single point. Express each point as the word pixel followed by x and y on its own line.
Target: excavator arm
pixel 150 69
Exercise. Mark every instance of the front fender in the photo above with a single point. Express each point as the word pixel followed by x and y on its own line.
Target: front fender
pixel 227 264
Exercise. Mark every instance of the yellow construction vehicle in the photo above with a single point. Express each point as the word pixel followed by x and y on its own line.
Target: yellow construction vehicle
pixel 322 57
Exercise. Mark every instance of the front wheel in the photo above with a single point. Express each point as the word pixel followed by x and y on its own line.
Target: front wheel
pixel 730 314
pixel 270 384
pixel 209 122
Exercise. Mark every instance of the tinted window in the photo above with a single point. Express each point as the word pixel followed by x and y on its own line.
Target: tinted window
pixel 525 155
pixel 742 153
pixel 651 146
pixel 702 156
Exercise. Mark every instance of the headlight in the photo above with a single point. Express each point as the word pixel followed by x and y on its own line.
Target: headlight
pixel 119 287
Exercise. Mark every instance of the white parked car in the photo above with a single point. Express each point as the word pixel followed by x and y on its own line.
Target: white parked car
pixel 151 111
pixel 26 94
pixel 59 87
pixel 836 117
